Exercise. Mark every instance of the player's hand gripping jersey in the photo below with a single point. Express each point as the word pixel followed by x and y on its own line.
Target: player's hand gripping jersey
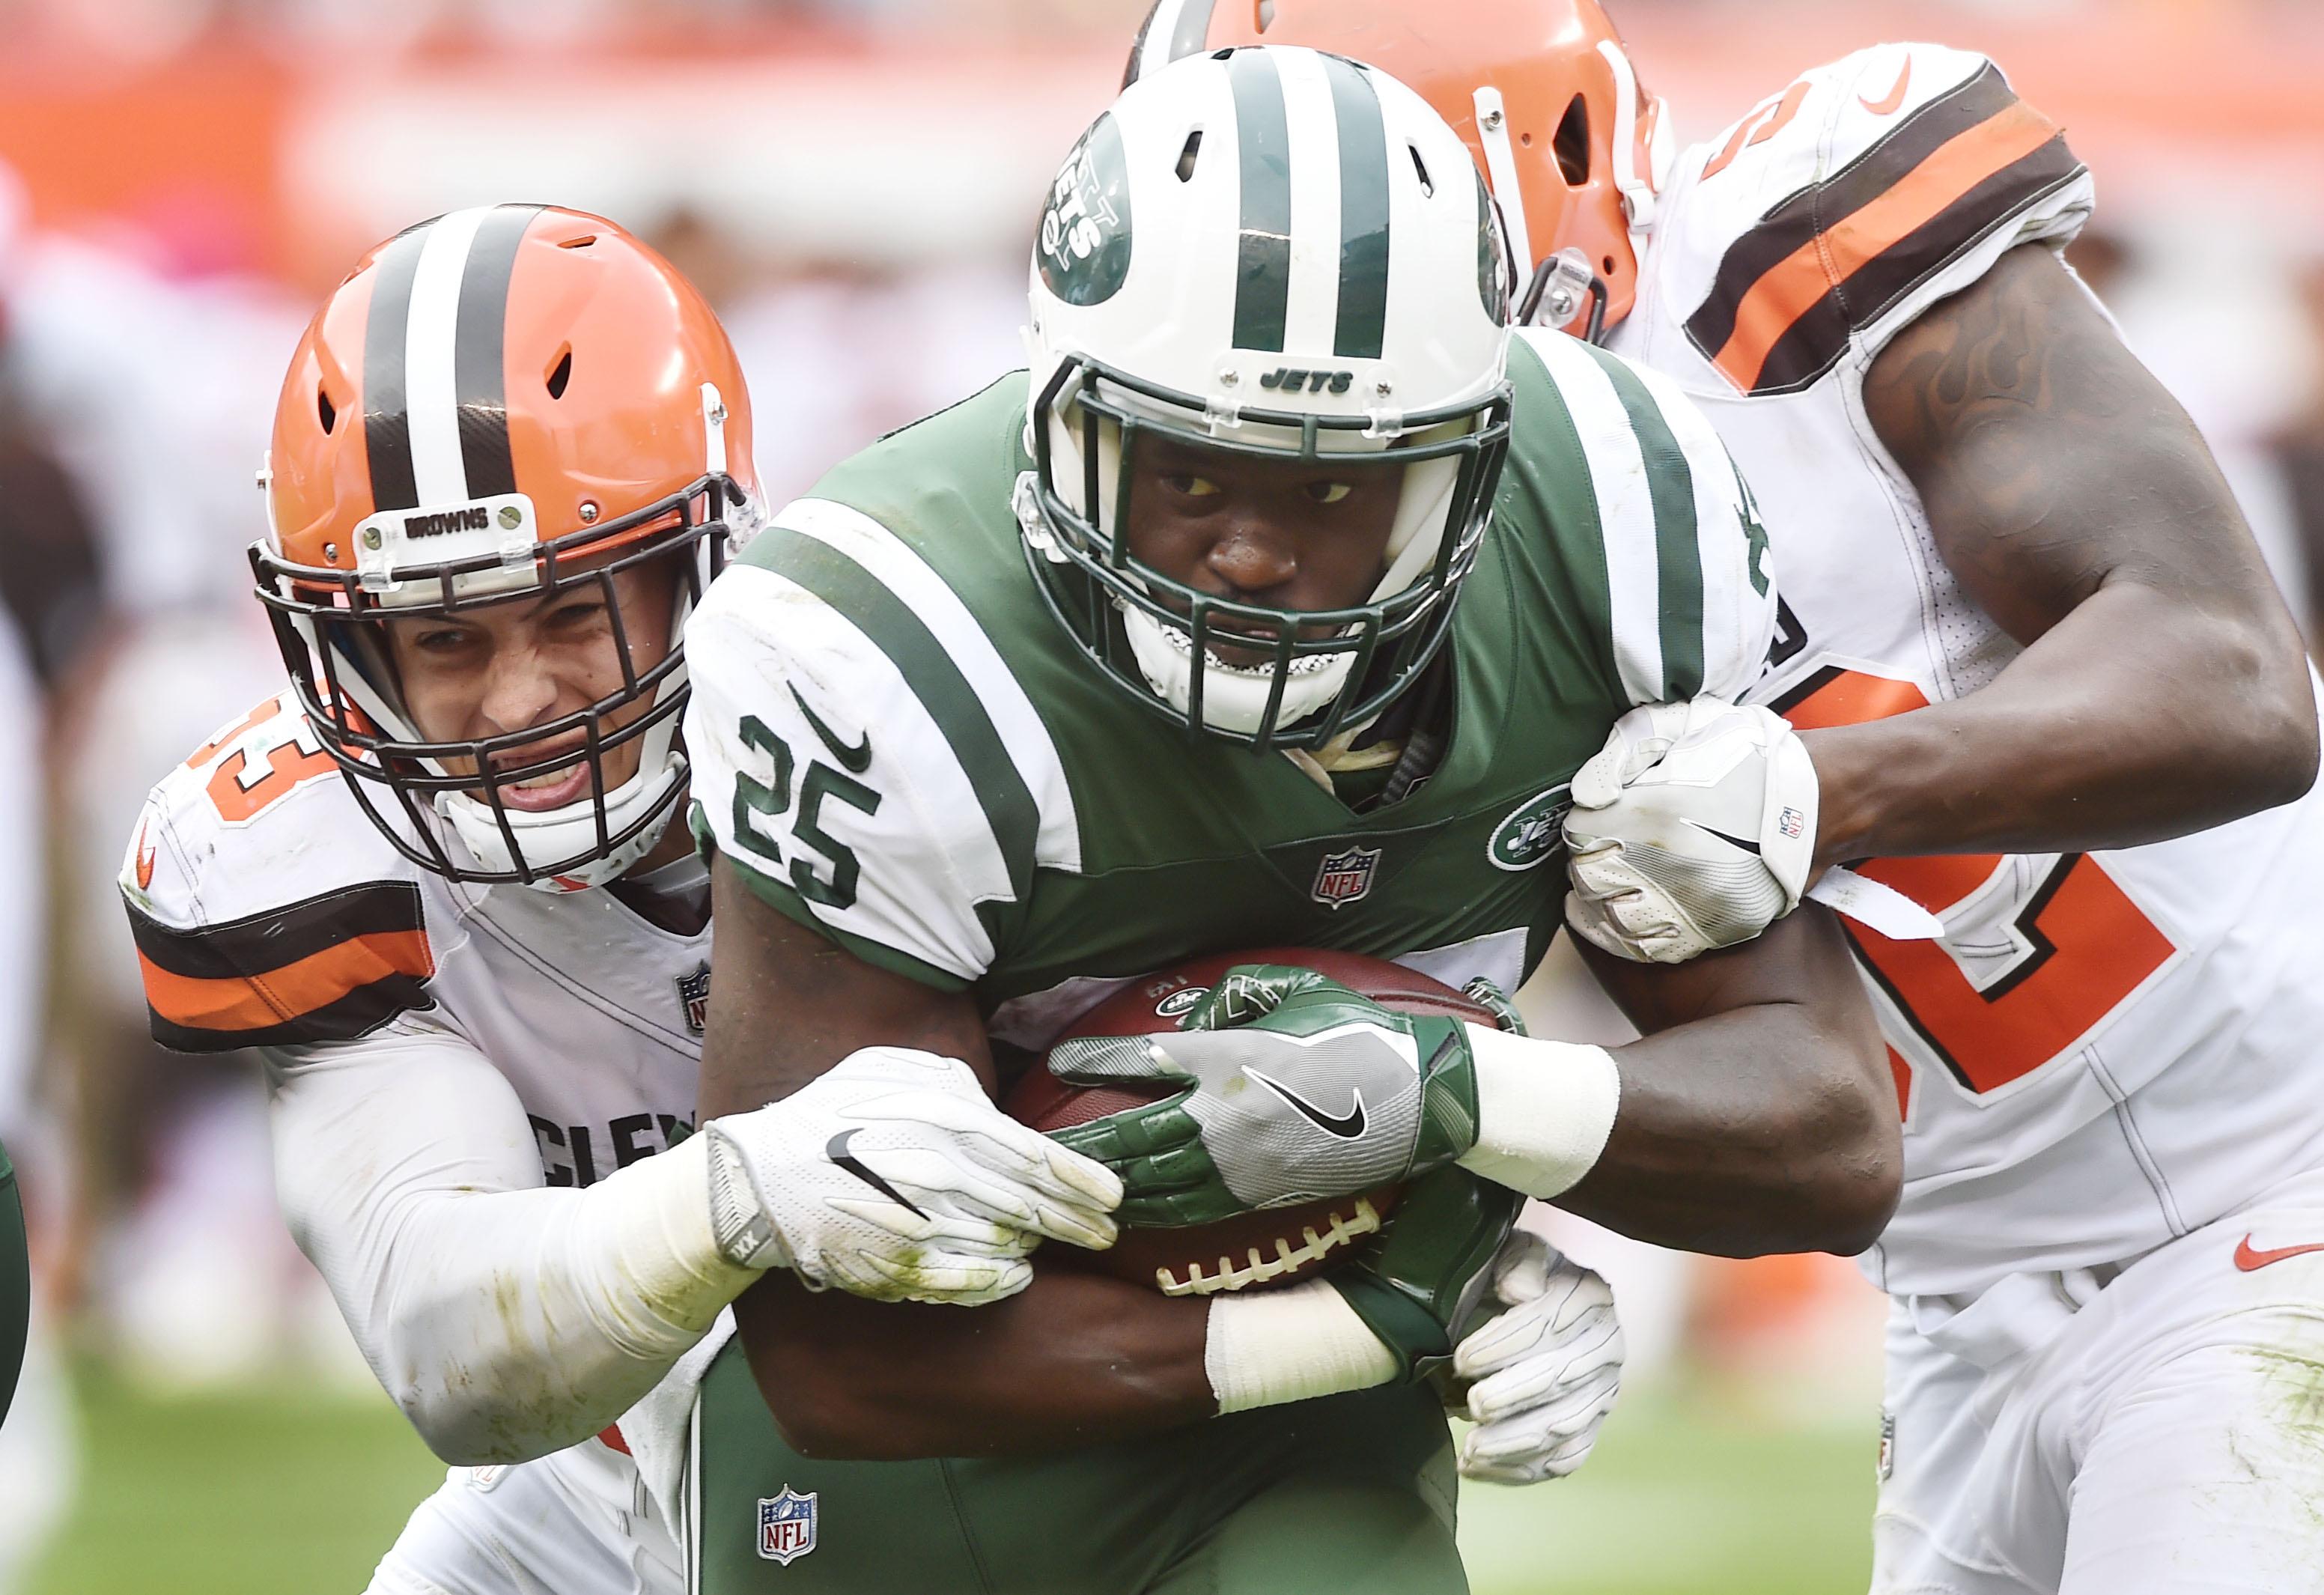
pixel 896 744
pixel 2104 1051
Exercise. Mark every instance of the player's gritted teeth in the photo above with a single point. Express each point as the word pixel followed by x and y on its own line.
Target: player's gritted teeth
pixel 567 784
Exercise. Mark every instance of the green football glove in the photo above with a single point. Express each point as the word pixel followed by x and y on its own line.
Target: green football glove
pixel 1427 1280
pixel 1298 1089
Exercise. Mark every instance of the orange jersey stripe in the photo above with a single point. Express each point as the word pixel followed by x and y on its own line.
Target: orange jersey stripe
pixel 1794 285
pixel 262 1001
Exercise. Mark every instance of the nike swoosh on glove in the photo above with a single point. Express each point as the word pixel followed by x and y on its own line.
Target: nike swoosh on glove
pixel 1692 829
pixel 1538 1379
pixel 894 1176
pixel 1297 1089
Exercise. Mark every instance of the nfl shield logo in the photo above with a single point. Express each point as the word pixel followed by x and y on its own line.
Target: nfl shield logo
pixel 1345 877
pixel 785 1524
pixel 694 991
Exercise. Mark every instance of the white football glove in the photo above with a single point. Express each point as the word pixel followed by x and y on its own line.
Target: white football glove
pixel 1694 828
pixel 1541 1377
pixel 894 1176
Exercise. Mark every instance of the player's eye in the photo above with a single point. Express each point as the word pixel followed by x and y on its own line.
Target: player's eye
pixel 577 613
pixel 1328 493
pixel 441 640
pixel 1189 486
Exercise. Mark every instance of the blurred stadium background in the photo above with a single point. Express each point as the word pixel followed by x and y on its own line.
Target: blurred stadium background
pixel 853 182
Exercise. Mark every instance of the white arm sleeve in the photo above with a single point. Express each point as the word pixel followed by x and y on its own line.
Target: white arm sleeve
pixel 508 1320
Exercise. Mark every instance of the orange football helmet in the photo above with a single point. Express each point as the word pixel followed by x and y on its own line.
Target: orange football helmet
pixel 1541 90
pixel 510 402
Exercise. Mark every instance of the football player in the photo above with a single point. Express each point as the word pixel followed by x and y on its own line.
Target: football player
pixel 434 885
pixel 1277 603
pixel 2028 640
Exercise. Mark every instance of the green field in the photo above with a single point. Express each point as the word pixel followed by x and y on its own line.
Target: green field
pixel 297 1492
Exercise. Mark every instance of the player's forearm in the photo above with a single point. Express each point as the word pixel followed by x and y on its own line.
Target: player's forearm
pixel 1720 1149
pixel 1750 1127
pixel 1076 1359
pixel 2163 688
pixel 2135 719
pixel 510 1324
pixel 506 1319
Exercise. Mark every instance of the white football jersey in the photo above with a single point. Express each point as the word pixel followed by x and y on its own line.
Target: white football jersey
pixel 269 911
pixel 2105 1050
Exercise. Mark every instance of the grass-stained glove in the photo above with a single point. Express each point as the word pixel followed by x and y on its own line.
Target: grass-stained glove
pixel 1428 1280
pixel 1539 1378
pixel 894 1176
pixel 1297 1089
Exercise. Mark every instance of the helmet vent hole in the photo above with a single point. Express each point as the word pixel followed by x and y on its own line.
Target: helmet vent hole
pixel 325 411
pixel 1186 156
pixel 1572 143
pixel 561 372
pixel 1427 183
pixel 1266 15
pixel 582 242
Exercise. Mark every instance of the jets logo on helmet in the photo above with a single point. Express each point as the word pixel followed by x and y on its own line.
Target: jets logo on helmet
pixel 513 401
pixel 1296 215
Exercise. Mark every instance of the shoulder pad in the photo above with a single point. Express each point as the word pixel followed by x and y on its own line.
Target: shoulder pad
pixel 1829 207
pixel 862 752
pixel 1689 603
pixel 266 909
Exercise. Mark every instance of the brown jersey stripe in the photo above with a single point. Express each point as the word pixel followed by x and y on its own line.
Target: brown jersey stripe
pixel 1789 291
pixel 387 968
pixel 1794 224
pixel 355 1015
pixel 1815 343
pixel 259 943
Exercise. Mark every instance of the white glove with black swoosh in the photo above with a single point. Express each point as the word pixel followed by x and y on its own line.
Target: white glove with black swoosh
pixel 894 1176
pixel 1692 829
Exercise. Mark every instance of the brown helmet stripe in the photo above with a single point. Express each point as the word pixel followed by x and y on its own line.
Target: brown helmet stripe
pixel 478 350
pixel 387 416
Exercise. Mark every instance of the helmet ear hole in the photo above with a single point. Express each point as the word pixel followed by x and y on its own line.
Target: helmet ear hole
pixel 1427 183
pixel 1186 157
pixel 561 372
pixel 1571 144
pixel 324 410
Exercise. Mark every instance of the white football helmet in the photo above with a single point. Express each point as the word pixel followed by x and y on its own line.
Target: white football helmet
pixel 1277 253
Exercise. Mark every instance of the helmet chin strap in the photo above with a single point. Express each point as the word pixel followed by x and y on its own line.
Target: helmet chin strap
pixel 1637 187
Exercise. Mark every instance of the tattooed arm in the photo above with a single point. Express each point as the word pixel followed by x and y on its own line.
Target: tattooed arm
pixel 2162 689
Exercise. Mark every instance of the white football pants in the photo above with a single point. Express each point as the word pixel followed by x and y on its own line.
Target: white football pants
pixel 2162 1434
pixel 576 1523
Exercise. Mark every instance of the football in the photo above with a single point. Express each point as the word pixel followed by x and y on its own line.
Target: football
pixel 1254 1249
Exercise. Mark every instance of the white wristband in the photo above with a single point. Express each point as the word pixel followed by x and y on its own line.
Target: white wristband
pixel 1293 1343
pixel 1544 1110
pixel 642 1239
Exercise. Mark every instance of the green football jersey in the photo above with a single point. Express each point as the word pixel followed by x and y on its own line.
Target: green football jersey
pixel 896 743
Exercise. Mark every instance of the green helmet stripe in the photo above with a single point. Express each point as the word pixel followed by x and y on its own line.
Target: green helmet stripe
pixel 1362 326
pixel 1678 561
pixel 943 691
pixel 1263 268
